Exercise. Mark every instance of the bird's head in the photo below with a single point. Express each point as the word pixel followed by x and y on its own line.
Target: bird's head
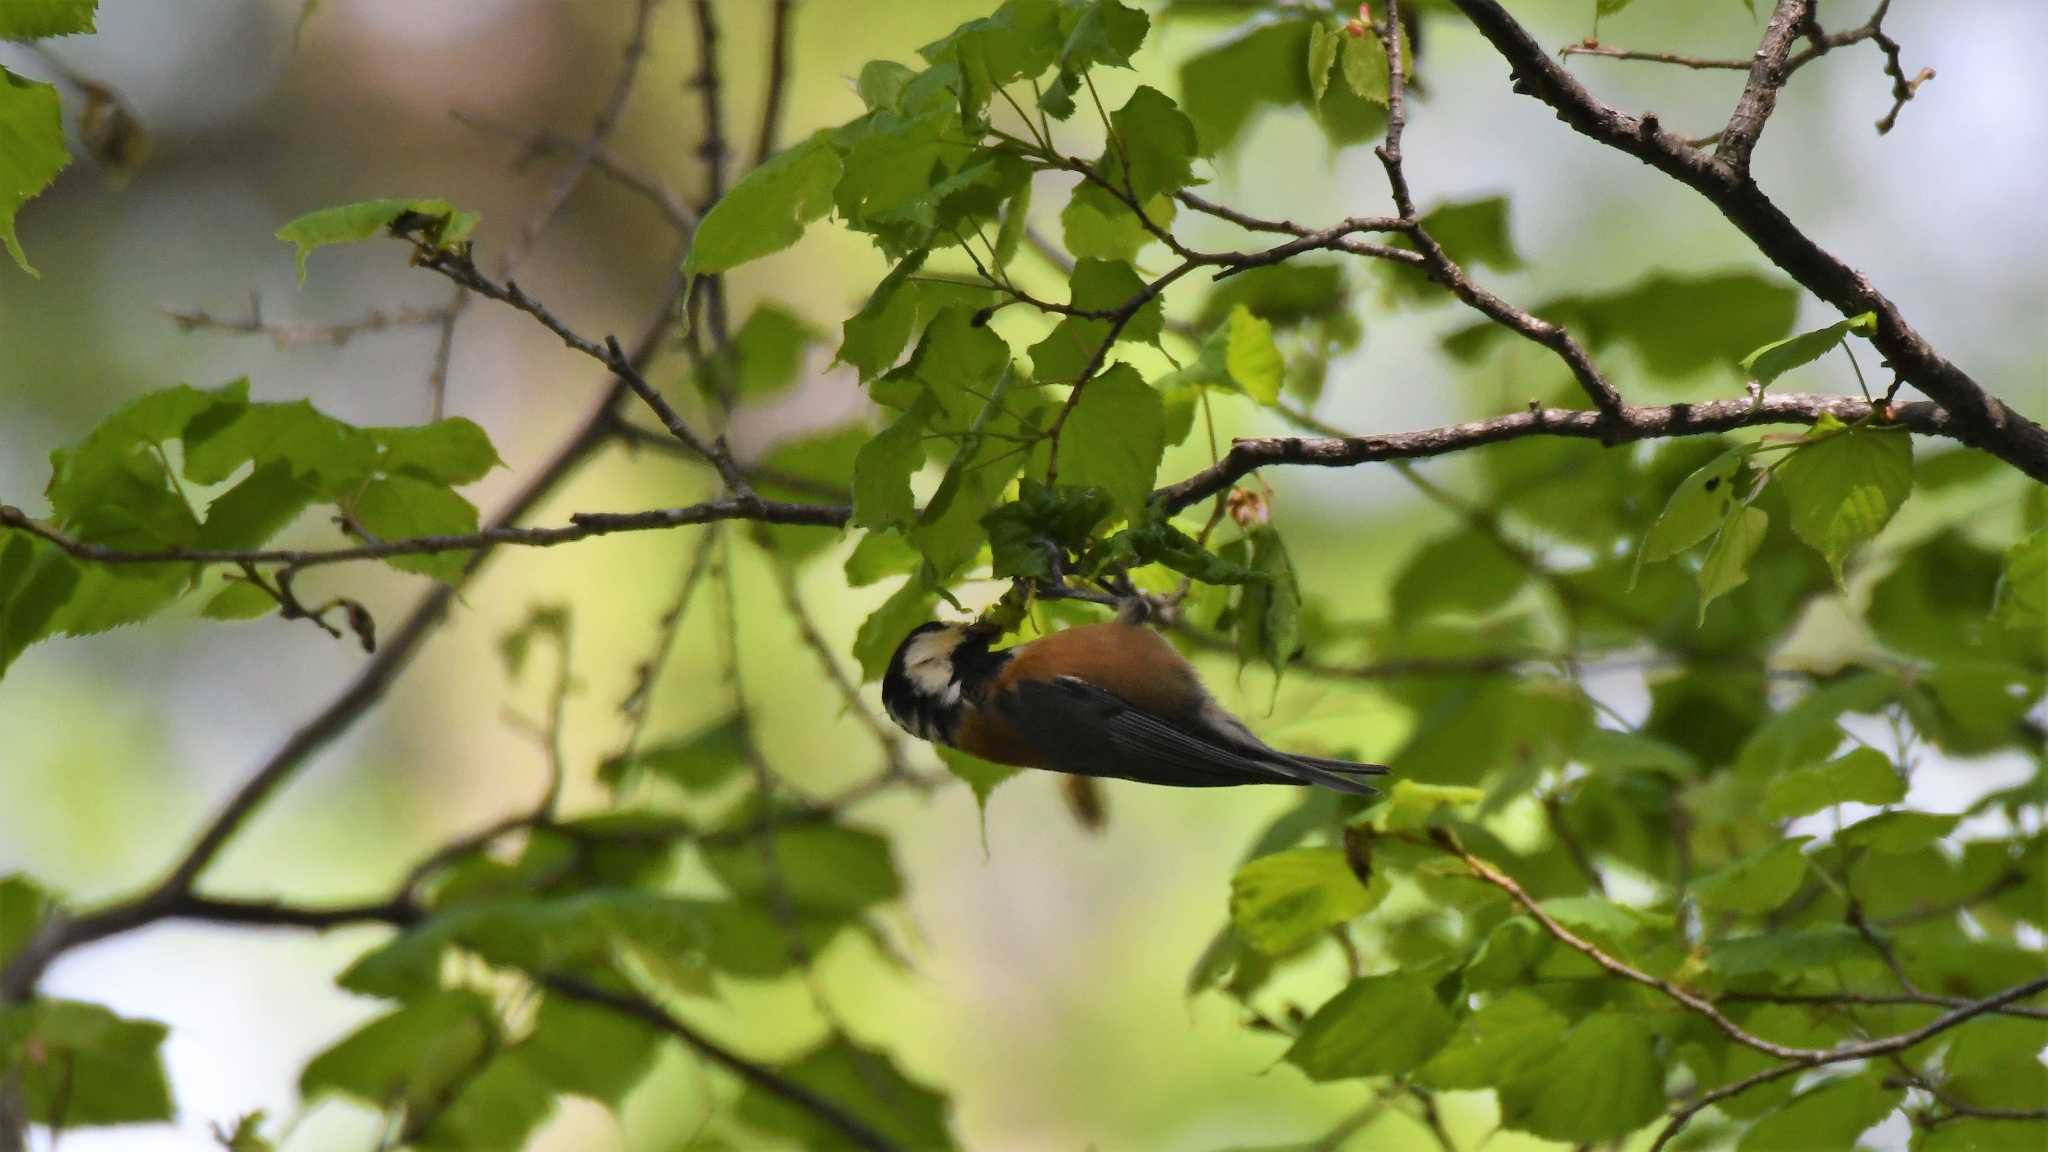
pixel 938 670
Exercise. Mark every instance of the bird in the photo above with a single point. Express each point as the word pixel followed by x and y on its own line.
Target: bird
pixel 1112 699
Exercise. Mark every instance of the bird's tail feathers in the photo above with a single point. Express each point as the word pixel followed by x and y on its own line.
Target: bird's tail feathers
pixel 1337 775
pixel 1345 767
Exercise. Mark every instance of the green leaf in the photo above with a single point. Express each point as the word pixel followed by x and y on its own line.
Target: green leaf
pixel 79 1065
pixel 32 151
pixel 1726 567
pixel 240 600
pixel 1893 832
pixel 979 775
pixel 886 627
pixel 815 466
pixel 1610 750
pixel 882 471
pixel 1784 953
pixel 1098 225
pixel 36 19
pixel 1844 483
pixel 819 867
pixel 1010 233
pixel 1677 325
pixel 862 1081
pixel 1020 39
pixel 881 83
pixel 497 1106
pixel 1251 358
pixel 1323 42
pixel 438 223
pixel 878 556
pixel 1469 727
pixel 1411 804
pixel 1114 438
pixel 1831 1114
pixel 2022 597
pixel 36 583
pixel 1995 1063
pixel 755 941
pixel 1160 542
pixel 24 906
pixel 411 1057
pixel 589 1051
pixel 581 932
pixel 874 337
pixel 247 1134
pixel 402 508
pixel 698 763
pixel 1756 883
pixel 1377 1026
pixel 1497 1043
pixel 1603 1081
pixel 451 451
pixel 1025 534
pixel 1863 776
pixel 769 349
pixel 1781 356
pixel 334 457
pixel 1282 902
pixel 1465 572
pixel 1364 63
pixel 1226 86
pixel 1269 608
pixel 1474 231
pixel 768 209
pixel 1970 1135
pixel 1697 507
pixel 1152 146
pixel 1073 344
pixel 256 509
pixel 1101 32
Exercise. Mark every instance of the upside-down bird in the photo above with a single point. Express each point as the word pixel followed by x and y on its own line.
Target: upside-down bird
pixel 1110 699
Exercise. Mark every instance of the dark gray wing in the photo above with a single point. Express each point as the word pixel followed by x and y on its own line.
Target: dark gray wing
pixel 1089 731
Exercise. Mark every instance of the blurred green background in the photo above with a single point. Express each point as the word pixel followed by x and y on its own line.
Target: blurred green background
pixel 1044 987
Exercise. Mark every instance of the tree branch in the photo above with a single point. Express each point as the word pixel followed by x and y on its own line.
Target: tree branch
pixel 1767 73
pixel 581 526
pixel 856 1131
pixel 1637 422
pixel 1861 1050
pixel 1975 416
pixel 460 268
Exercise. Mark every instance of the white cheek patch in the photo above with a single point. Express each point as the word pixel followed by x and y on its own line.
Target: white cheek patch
pixel 934 678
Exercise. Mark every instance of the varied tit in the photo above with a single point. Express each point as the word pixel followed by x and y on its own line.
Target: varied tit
pixel 1109 699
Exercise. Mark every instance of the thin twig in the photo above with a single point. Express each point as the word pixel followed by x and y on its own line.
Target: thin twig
pixel 581 526
pixel 885 735
pixel 288 336
pixel 778 80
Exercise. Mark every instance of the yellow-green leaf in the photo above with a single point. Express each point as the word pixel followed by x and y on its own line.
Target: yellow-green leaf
pixel 1283 901
pixel 1252 359
pixel 1727 564
pixel 438 222
pixel 1844 483
pixel 31 151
